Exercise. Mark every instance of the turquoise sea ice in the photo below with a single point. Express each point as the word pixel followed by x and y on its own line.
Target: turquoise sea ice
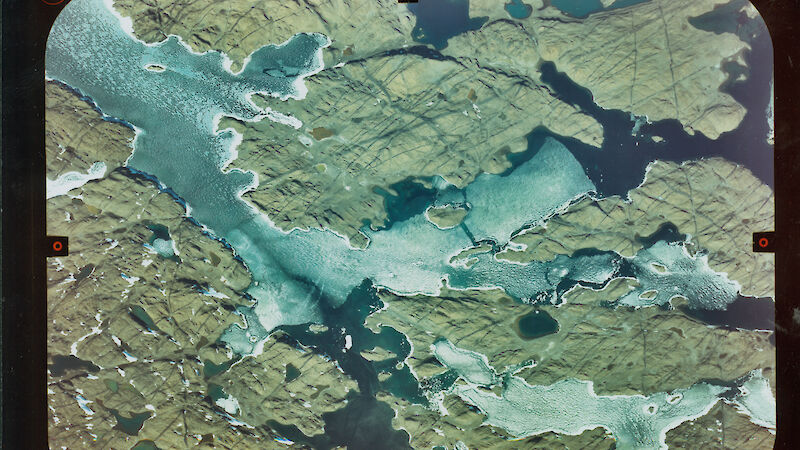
pixel 174 99
pixel 667 270
pixel 535 281
pixel 571 406
pixel 175 110
pixel 754 398
pixel 534 191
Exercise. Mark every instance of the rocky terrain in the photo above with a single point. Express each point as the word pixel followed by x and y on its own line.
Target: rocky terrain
pixel 239 27
pixel 723 427
pixel 386 121
pixel 136 310
pixel 370 119
pixel 428 429
pixel 716 202
pixel 446 216
pixel 643 59
pixel 71 147
pixel 266 390
pixel 621 351
pixel 132 352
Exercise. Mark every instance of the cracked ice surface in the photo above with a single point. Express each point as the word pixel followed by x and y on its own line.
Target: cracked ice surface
pixel 671 271
pixel 635 421
pixel 536 281
pixel 534 191
pixel 755 399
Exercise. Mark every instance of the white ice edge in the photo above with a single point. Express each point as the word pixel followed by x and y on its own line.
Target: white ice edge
pixel 462 390
pixel 300 91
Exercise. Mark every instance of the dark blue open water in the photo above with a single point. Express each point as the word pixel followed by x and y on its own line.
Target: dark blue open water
pixel 412 198
pixel 364 423
pixel 439 20
pixel 348 319
pixel 577 8
pixel 619 165
pixel 750 313
pixel 64 364
pixel 727 18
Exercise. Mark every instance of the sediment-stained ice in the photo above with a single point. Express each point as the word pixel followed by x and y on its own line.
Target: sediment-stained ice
pixel 668 270
pixel 534 191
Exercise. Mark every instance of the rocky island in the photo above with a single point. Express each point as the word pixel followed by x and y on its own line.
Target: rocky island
pixel 386 230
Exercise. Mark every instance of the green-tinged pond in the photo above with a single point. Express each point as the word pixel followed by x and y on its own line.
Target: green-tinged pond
pixel 535 324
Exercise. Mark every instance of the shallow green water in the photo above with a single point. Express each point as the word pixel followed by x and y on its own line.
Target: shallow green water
pixel 145 445
pixel 215 392
pixel 210 369
pixel 130 425
pixel 518 10
pixel 292 373
pixel 536 324
pixel 140 315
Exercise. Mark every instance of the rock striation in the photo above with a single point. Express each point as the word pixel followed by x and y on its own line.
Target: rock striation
pixel 132 331
pixel 718 204
pixel 643 59
pixel 382 111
